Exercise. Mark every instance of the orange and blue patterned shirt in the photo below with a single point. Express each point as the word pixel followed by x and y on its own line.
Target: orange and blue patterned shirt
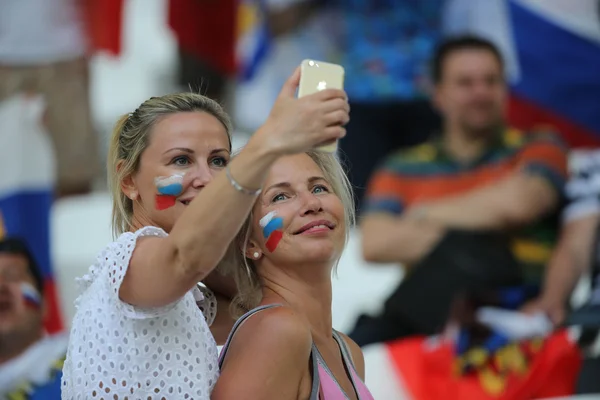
pixel 426 172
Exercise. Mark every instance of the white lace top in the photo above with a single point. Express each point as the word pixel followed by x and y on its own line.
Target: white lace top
pixel 118 351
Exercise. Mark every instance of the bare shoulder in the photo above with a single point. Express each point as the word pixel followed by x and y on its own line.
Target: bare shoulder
pixel 267 358
pixel 357 355
pixel 279 324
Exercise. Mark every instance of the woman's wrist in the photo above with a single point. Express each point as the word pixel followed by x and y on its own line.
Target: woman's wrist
pixel 248 170
pixel 263 144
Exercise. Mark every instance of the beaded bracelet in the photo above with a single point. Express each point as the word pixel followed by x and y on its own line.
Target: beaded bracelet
pixel 239 187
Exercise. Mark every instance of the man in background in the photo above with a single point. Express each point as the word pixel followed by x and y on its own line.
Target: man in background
pixel 474 208
pixel 30 362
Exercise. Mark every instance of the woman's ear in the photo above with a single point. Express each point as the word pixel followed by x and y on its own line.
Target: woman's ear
pixel 252 250
pixel 127 184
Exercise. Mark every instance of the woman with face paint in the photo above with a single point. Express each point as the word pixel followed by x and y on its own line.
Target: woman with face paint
pixel 285 346
pixel 139 331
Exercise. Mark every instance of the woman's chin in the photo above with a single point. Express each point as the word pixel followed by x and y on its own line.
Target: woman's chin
pixel 320 253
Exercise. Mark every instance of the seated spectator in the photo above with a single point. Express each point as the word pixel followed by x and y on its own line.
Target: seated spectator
pixel 577 254
pixel 30 362
pixel 473 208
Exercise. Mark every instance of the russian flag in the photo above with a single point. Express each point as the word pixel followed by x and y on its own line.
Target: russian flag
pixel 26 187
pixel 552 52
pixel 557 43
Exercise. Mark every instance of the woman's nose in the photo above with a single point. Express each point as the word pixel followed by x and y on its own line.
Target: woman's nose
pixel 201 176
pixel 312 204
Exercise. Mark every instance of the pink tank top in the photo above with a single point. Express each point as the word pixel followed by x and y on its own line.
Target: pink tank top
pixel 324 385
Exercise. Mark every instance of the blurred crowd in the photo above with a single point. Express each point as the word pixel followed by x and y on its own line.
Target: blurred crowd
pixel 472 149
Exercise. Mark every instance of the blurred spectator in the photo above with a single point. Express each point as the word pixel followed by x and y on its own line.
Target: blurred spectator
pixel 577 254
pixel 27 181
pixel 274 39
pixel 205 33
pixel 473 208
pixel 30 362
pixel 551 48
pixel 385 48
pixel 489 20
pixel 574 255
pixel 42 49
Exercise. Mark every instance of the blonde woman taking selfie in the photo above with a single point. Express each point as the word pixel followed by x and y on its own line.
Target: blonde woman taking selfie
pixel 141 330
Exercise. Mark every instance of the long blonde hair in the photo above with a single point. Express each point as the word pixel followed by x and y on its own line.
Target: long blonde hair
pixel 131 136
pixel 243 269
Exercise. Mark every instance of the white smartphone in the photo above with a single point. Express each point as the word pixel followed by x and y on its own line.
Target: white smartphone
pixel 316 76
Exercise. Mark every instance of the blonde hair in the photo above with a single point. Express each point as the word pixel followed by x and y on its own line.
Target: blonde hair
pixel 243 269
pixel 131 136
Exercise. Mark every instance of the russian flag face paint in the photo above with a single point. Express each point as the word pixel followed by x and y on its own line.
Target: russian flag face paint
pixel 31 297
pixel 271 225
pixel 169 188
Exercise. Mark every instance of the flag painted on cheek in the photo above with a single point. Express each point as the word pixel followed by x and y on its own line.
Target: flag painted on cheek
pixel 31 297
pixel 168 189
pixel 271 225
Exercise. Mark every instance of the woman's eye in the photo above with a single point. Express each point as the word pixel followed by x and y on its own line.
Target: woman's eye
pixel 181 161
pixel 320 189
pixel 279 197
pixel 219 162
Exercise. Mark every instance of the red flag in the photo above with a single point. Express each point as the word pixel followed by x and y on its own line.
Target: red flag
pixel 428 372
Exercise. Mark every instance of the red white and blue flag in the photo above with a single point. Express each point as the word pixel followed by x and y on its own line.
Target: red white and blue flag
pixel 557 44
pixel 272 230
pixel 552 49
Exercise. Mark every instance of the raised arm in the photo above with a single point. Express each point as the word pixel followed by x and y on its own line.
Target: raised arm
pixel 162 270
